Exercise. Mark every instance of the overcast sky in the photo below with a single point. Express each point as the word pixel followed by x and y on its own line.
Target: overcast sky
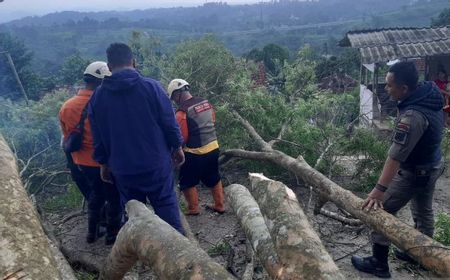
pixel 13 9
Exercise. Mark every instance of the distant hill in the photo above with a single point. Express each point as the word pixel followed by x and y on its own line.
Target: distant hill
pixel 242 27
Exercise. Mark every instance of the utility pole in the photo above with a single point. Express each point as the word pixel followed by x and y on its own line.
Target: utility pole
pixel 16 75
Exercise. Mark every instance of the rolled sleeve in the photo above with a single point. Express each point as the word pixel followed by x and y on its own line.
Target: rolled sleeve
pixel 407 132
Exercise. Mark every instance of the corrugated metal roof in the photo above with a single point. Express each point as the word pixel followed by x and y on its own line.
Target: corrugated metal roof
pixel 388 44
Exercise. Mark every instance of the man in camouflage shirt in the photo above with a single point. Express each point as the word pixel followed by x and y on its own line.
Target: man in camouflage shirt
pixel 413 165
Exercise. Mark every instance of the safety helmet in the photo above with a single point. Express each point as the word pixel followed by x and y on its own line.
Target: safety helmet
pixel 98 69
pixel 175 85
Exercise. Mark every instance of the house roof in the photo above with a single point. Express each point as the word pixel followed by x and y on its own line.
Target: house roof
pixel 388 44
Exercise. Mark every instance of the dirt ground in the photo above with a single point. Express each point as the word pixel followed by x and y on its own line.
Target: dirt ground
pixel 224 240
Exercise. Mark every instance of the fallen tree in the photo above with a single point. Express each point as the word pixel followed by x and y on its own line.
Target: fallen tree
pixel 298 246
pixel 430 253
pixel 170 255
pixel 256 231
pixel 25 250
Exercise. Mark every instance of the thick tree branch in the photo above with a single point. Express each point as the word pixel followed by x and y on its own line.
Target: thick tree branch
pixel 431 254
pixel 283 130
pixel 263 144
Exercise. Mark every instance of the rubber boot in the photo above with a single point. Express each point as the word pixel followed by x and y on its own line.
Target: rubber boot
pixel 218 196
pixel 377 264
pixel 191 195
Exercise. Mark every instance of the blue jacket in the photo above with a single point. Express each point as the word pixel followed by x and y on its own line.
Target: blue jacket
pixel 133 125
pixel 428 100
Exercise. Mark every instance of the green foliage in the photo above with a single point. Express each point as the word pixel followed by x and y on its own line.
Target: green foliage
pixel 72 69
pixel 147 52
pixel 206 64
pixel 442 228
pixel 347 63
pixel 443 19
pixel 34 134
pixel 370 154
pixel 33 83
pixel 69 200
pixel 300 76
pixel 221 248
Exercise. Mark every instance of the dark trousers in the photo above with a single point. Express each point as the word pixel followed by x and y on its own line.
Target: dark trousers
pixel 78 177
pixel 158 189
pixel 102 192
pixel 408 186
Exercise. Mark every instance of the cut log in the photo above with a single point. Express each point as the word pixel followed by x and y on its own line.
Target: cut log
pixel 256 231
pixel 298 247
pixel 24 248
pixel 428 252
pixel 155 243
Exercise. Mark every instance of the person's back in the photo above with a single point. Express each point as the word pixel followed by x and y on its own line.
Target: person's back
pixel 70 115
pixel 73 116
pixel 135 134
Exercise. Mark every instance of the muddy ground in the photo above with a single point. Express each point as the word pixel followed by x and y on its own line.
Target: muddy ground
pixel 224 240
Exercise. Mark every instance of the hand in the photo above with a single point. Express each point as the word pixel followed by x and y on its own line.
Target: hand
pixel 178 158
pixel 105 174
pixel 374 200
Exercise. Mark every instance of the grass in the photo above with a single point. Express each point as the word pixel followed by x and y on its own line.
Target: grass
pixel 84 276
pixel 221 248
pixel 442 228
pixel 70 200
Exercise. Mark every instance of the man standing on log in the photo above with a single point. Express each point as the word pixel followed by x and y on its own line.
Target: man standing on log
pixel 73 119
pixel 136 136
pixel 413 165
pixel 196 118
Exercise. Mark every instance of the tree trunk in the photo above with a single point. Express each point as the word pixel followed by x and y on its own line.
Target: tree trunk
pixel 298 246
pixel 24 248
pixel 155 243
pixel 252 221
pixel 430 253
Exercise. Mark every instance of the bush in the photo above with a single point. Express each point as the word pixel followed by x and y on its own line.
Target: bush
pixel 442 228
pixel 33 133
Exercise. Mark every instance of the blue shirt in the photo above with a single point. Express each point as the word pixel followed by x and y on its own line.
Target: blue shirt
pixel 133 125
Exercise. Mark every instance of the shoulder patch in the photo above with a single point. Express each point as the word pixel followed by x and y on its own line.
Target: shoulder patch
pixel 400 137
pixel 402 128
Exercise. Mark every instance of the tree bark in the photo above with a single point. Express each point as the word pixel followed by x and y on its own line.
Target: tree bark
pixel 24 248
pixel 155 243
pixel 430 253
pixel 252 221
pixel 298 246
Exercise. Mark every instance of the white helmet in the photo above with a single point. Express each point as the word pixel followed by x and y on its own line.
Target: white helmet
pixel 174 85
pixel 98 69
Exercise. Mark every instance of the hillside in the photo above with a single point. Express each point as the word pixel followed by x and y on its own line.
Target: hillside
pixel 241 28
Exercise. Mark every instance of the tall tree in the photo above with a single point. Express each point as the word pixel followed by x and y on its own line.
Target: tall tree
pixel 443 19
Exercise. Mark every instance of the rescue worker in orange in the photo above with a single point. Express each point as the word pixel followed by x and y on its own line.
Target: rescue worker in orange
pixel 196 118
pixel 73 112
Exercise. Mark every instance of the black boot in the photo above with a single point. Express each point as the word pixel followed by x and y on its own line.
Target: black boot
pixel 112 228
pixel 377 264
pixel 93 226
pixel 93 229
pixel 111 235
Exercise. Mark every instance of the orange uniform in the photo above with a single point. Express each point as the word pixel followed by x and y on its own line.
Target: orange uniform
pixel 69 116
